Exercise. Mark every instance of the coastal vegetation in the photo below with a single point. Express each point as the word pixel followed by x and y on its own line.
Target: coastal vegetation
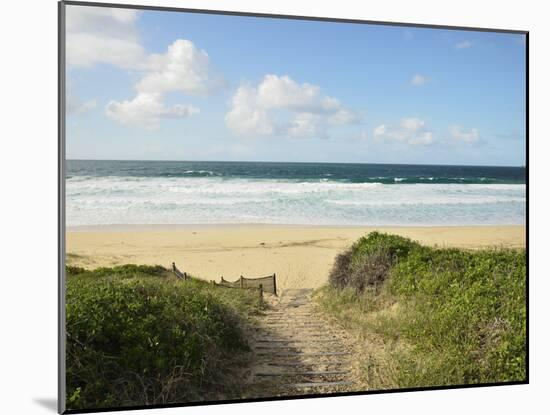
pixel 431 316
pixel 425 316
pixel 136 335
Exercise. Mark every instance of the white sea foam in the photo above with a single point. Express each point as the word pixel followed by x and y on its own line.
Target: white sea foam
pixel 128 200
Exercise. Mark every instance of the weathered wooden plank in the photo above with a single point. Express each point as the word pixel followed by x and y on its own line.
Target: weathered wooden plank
pixel 305 334
pixel 293 319
pixel 294 326
pixel 306 364
pixel 293 311
pixel 316 340
pixel 319 384
pixel 294 374
pixel 283 346
pixel 300 335
pixel 304 354
pixel 306 373
pixel 300 331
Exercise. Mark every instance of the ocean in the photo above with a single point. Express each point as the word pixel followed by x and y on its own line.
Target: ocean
pixel 193 192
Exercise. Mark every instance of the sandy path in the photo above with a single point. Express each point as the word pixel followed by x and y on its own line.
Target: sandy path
pixel 297 351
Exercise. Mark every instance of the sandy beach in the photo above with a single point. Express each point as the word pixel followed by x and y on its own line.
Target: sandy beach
pixel 301 256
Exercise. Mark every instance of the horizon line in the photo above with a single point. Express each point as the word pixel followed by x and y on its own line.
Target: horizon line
pixel 298 162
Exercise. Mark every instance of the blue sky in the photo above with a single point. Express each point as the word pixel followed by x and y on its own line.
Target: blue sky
pixel 180 86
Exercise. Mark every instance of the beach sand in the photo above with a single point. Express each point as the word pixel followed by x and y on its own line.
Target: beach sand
pixel 301 256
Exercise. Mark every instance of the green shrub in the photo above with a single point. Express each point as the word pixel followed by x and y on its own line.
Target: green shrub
pixel 137 336
pixel 368 261
pixel 447 316
pixel 396 246
pixel 470 305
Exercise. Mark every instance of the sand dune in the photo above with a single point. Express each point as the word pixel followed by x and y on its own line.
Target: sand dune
pixel 300 255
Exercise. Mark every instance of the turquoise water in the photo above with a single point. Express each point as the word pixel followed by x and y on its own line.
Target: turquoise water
pixel 157 192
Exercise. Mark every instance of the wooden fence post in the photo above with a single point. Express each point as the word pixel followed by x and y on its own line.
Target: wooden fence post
pixel 274 284
pixel 261 293
pixel 241 279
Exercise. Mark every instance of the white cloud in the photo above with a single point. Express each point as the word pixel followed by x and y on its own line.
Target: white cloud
pixel 418 80
pixel 82 18
pixel 380 131
pixel 410 130
pixel 458 134
pixel 246 117
pixel 343 116
pixel 110 36
pixel 280 106
pixel 182 68
pixel 103 35
pixel 306 124
pixel 282 92
pixel 146 110
pixel 466 44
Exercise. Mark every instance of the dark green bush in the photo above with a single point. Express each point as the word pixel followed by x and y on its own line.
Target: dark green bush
pixel 340 275
pixel 136 336
pixel 368 261
pixel 371 270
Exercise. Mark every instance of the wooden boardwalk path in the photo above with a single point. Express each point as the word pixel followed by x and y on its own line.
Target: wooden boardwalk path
pixel 297 351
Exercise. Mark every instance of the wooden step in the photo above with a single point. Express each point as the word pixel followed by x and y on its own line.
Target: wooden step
pixel 303 333
pixel 294 324
pixel 282 346
pixel 297 341
pixel 306 364
pixel 293 329
pixel 304 354
pixel 307 373
pixel 301 336
pixel 319 384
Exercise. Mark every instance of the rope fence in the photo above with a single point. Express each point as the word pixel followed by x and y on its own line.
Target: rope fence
pixel 269 283
pixel 262 284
